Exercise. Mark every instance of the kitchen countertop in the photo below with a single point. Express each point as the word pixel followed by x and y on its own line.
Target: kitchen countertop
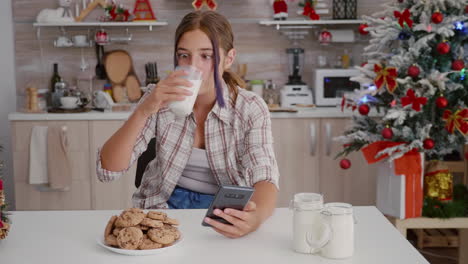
pixel 318 112
pixel 55 237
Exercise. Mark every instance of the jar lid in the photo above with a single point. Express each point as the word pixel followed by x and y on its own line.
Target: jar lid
pixel 308 201
pixel 337 209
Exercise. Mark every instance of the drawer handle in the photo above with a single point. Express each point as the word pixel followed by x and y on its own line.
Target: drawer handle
pixel 328 139
pixel 313 140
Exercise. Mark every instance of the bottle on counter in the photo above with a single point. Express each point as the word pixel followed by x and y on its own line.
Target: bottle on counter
pixel 108 89
pixel 345 61
pixel 55 78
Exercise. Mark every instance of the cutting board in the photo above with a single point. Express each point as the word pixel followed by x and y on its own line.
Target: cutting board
pixel 118 65
pixel 133 88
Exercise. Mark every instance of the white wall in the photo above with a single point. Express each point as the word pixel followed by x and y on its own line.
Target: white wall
pixel 7 95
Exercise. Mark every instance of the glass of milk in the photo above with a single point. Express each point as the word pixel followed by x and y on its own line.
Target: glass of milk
pixel 336 239
pixel 185 107
pixel 306 220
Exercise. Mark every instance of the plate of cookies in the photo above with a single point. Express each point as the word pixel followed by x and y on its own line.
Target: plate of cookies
pixel 138 233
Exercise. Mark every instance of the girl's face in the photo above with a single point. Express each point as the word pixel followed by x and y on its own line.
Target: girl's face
pixel 195 49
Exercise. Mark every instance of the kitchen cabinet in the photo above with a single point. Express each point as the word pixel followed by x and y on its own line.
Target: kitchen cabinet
pixel 26 195
pixel 296 151
pixel 115 194
pixel 305 150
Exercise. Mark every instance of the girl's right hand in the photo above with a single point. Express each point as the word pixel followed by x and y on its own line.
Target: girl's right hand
pixel 166 91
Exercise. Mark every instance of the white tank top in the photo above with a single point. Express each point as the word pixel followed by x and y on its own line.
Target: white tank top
pixel 197 174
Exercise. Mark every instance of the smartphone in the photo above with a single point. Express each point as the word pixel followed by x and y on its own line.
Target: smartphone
pixel 227 196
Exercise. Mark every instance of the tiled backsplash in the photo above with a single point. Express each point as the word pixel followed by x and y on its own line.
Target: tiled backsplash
pixel 261 48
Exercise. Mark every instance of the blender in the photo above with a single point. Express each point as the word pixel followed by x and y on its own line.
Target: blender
pixel 295 91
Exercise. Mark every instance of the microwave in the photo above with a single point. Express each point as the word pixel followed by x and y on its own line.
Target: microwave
pixel 332 84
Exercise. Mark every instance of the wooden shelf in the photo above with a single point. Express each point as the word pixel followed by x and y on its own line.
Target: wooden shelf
pixel 279 23
pixel 150 24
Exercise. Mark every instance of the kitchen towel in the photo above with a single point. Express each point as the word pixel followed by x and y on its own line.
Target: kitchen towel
pixel 58 158
pixel 38 155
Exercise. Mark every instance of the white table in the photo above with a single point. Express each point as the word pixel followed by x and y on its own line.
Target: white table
pixel 68 237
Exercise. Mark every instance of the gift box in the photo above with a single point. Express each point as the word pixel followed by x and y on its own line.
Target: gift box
pixel 399 182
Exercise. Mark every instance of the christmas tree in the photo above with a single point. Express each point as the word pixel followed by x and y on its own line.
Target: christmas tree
pixel 415 77
pixel 4 222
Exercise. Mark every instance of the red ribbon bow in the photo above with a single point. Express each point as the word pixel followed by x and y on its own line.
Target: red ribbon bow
pixel 310 12
pixel 404 17
pixel 385 76
pixel 198 4
pixel 457 120
pixel 411 98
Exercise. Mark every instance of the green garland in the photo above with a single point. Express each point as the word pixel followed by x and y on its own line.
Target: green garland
pixel 457 208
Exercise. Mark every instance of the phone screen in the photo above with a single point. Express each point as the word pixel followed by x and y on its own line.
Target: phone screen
pixel 235 197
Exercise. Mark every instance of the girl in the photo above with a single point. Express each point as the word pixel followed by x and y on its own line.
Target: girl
pixel 226 140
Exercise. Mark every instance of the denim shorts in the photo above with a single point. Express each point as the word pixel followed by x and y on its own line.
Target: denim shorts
pixel 182 198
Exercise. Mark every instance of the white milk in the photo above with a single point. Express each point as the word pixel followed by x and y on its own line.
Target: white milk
pixel 341 221
pixel 306 220
pixel 306 223
pixel 185 107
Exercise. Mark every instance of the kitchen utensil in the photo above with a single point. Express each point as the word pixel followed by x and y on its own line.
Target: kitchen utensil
pixel 118 65
pixel 133 88
pixel 99 70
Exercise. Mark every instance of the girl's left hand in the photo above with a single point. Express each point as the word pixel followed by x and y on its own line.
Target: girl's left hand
pixel 243 222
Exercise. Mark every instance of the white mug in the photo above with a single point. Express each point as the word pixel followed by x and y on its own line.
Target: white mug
pixel 336 238
pixel 306 220
pixel 80 40
pixel 185 107
pixel 69 102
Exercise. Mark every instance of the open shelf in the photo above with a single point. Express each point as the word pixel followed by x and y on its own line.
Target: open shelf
pixel 148 24
pixel 303 22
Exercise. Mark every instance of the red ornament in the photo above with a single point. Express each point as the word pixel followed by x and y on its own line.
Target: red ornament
pixel 443 48
pixel 325 37
pixel 458 65
pixel 428 143
pixel 364 109
pixel 466 9
pixel 1 224
pixel 345 164
pixel 1 184
pixel 387 133
pixel 466 155
pixel 362 30
pixel 441 102
pixel 437 17
pixel 414 71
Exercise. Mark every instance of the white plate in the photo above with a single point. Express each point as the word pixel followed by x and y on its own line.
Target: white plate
pixel 146 252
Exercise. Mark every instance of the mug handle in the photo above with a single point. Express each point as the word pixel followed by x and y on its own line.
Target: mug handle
pixel 318 243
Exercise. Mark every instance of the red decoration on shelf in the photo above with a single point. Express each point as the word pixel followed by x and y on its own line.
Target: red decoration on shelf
pixel 441 102
pixel 386 76
pixel 437 17
pixel 403 18
pixel 414 71
pixel 1 184
pixel 309 11
pixel 458 65
pixel 443 48
pixel 280 8
pixel 325 37
pixel 411 98
pixel 428 143
pixel 198 4
pixel 345 164
pixel 387 133
pixel 456 120
pixel 143 11
pixel 1 223
pixel 362 29
pixel 364 109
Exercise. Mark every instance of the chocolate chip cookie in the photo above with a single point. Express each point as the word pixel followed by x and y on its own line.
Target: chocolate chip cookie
pixel 130 238
pixel 161 236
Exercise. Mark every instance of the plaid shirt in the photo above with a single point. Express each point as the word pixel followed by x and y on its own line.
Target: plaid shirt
pixel 238 142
